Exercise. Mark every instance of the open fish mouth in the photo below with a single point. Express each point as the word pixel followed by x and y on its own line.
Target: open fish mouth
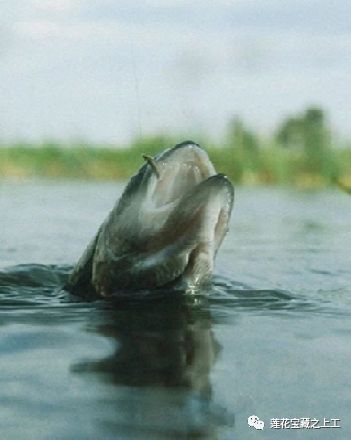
pixel 183 182
pixel 166 228
pixel 177 172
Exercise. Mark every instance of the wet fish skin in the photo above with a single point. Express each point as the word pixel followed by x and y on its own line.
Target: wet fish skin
pixel 164 231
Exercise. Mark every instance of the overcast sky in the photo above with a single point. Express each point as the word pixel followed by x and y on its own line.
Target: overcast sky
pixel 107 70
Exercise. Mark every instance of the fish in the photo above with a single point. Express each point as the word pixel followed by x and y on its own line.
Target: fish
pixel 165 230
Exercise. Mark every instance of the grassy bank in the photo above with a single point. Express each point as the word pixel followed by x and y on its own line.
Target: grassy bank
pixel 269 164
pixel 302 151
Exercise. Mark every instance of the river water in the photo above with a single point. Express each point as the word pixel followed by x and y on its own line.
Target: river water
pixel 271 338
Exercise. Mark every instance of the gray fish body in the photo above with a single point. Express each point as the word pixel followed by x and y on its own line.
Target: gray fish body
pixel 164 231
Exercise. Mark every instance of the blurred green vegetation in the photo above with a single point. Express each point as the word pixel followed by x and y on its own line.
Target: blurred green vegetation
pixel 301 152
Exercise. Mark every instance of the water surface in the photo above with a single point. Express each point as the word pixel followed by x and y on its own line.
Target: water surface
pixel 270 338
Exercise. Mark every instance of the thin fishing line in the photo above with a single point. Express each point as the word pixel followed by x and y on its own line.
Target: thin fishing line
pixel 136 90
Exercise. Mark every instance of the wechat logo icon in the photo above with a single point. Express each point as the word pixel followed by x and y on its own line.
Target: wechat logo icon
pixel 255 422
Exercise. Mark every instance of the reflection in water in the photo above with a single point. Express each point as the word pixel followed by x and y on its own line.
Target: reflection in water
pixel 156 382
pixel 164 352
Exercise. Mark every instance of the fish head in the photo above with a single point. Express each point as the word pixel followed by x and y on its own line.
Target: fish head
pixel 168 225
